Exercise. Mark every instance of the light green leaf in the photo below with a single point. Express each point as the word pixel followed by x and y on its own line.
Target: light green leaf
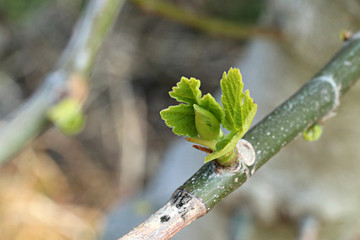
pixel 239 111
pixel 181 119
pixel 232 90
pixel 207 125
pixel 208 102
pixel 187 91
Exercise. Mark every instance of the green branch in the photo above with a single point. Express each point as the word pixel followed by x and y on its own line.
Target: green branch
pixel 210 25
pixel 315 102
pixel 30 119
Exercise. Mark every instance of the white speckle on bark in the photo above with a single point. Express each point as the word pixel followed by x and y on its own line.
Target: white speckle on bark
pixel 347 63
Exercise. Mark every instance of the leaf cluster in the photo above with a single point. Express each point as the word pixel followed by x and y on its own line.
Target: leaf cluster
pixel 199 117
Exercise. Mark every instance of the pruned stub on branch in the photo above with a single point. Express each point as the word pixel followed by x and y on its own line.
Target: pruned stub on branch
pixel 179 211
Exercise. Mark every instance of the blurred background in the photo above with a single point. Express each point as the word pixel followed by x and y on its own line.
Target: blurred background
pixel 126 163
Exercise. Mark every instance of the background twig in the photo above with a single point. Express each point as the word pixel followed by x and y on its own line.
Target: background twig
pixel 207 24
pixel 30 119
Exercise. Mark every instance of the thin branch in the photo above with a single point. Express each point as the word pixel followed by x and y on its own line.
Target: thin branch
pixel 210 25
pixel 309 229
pixel 315 102
pixel 29 120
pixel 89 34
pixel 181 210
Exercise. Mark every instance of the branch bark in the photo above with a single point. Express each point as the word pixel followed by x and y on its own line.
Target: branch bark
pixel 78 58
pixel 314 103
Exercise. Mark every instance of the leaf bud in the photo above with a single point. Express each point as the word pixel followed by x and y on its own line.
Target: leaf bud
pixel 67 116
pixel 313 133
pixel 206 123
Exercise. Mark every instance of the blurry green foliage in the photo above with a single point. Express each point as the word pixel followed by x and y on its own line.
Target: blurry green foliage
pixel 245 11
pixel 13 10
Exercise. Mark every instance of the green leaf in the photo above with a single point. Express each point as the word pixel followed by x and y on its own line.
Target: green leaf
pixel 239 112
pixel 208 102
pixel 187 91
pixel 67 116
pixel 181 119
pixel 207 125
pixel 232 90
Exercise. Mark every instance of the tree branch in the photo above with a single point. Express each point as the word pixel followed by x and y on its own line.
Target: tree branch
pixel 29 120
pixel 206 24
pixel 315 102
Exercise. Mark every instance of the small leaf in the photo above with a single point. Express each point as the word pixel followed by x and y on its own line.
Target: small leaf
pixel 239 108
pixel 187 91
pixel 232 90
pixel 209 103
pixel 181 118
pixel 207 125
pixel 67 116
